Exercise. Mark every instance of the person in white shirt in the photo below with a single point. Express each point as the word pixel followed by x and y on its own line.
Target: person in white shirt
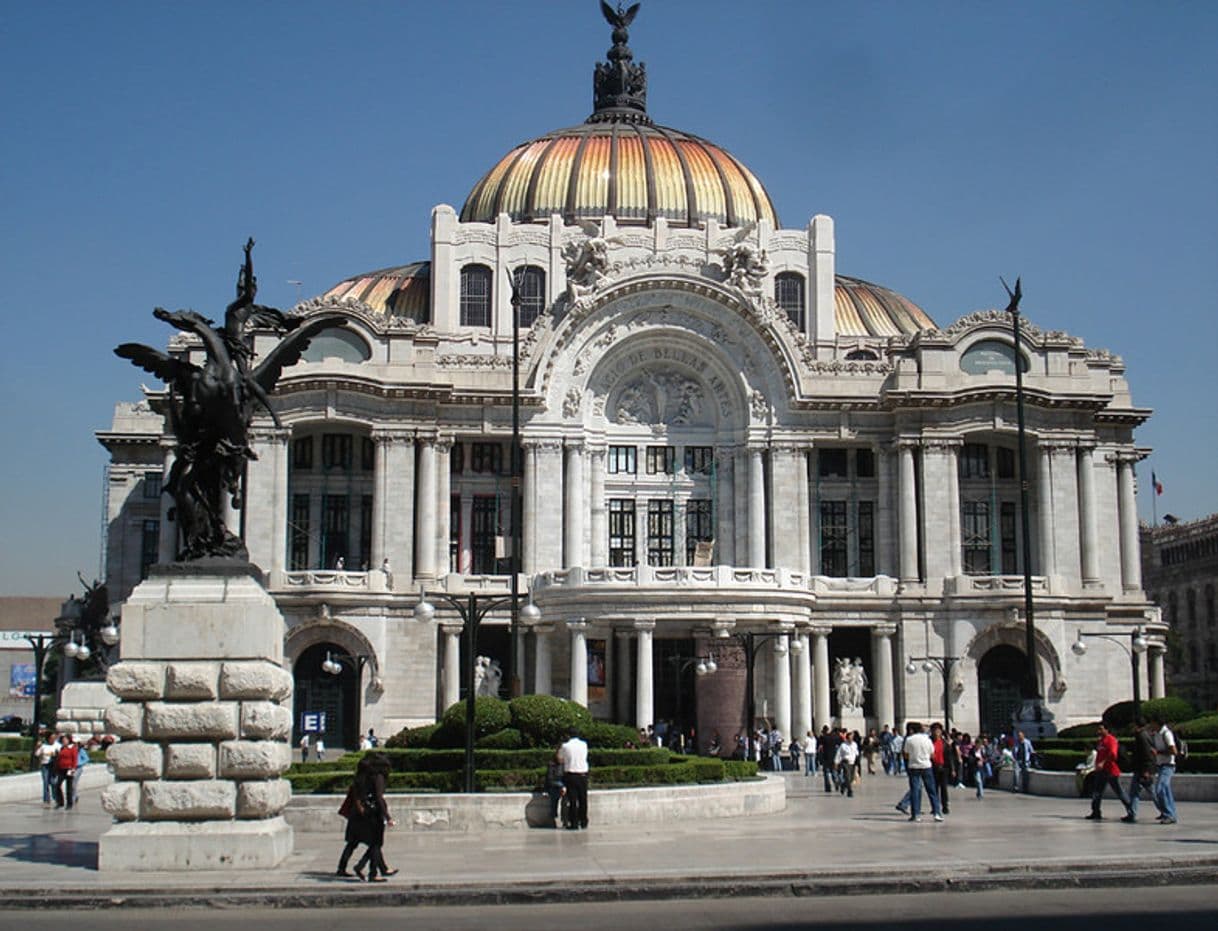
pixel 319 749
pixel 1165 759
pixel 918 749
pixel 810 754
pixel 574 757
pixel 847 755
pixel 47 748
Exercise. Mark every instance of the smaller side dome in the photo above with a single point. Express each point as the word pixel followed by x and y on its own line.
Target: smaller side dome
pixel 866 309
pixel 403 291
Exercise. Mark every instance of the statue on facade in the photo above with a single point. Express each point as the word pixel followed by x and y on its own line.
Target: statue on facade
pixel 211 408
pixel 487 676
pixel 744 265
pixel 850 682
pixel 587 262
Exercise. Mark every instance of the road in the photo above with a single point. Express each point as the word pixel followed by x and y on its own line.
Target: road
pixel 1130 908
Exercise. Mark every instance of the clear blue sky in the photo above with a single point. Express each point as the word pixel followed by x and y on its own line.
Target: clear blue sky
pixel 1075 144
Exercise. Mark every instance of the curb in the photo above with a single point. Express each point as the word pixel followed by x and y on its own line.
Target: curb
pixel 349 895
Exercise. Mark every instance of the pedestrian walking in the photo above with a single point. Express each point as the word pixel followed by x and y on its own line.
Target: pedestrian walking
pixel 1166 752
pixel 944 762
pixel 304 749
pixel 65 772
pixel 1022 754
pixel 319 749
pixel 1142 766
pixel 370 826
pixel 918 751
pixel 574 756
pixel 45 752
pixel 1107 773
pixel 845 759
pixel 810 751
pixel 828 754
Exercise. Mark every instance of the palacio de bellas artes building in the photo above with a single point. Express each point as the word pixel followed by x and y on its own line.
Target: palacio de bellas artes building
pixel 721 434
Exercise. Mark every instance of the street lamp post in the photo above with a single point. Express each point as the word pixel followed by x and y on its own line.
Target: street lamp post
pixel 750 640
pixel 472 608
pixel 703 666
pixel 1138 644
pixel 944 664
pixel 333 665
pixel 514 679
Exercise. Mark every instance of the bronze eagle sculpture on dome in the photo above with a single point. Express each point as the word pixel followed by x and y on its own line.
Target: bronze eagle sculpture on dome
pixel 211 408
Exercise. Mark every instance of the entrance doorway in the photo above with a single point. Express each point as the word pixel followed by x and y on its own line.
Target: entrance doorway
pixel 999 675
pixel 676 705
pixel 335 696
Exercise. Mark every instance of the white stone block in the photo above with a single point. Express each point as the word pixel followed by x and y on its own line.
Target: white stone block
pixel 125 720
pixel 263 799
pixel 122 801
pixel 136 760
pixel 254 759
pixel 62 714
pixel 252 681
pixel 264 720
pixel 181 847
pixel 191 721
pixel 135 681
pixel 200 800
pixel 191 680
pixel 190 761
pixel 87 695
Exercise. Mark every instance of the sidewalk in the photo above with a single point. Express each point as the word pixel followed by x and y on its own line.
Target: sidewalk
pixel 822 844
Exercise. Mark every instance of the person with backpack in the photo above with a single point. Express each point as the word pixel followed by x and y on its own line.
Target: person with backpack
pixel 1142 775
pixel 1166 753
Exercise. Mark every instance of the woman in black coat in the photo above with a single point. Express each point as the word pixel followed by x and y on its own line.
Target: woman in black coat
pixel 367 813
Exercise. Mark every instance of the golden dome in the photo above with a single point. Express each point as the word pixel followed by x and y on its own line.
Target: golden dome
pixel 866 309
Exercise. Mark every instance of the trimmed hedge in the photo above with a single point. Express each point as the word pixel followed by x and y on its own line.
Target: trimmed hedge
pixel 1205 726
pixel 1078 731
pixel 18 762
pixel 739 770
pixel 611 736
pixel 491 715
pixel 16 744
pixel 1066 760
pixel 544 720
pixel 1172 709
pixel 507 739
pixel 413 737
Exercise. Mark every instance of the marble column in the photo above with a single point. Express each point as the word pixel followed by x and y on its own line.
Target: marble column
pixel 622 675
pixel 725 506
pixel 740 500
pixel 465 551
pixel 909 519
pixel 803 516
pixel 399 508
pixel 528 508
pixel 443 505
pixel 380 476
pixel 886 560
pixel 678 532
pixel 756 552
pixel 1087 517
pixel 1044 503
pixel 955 543
pixel 803 686
pixel 167 542
pixel 542 665
pixel 573 517
pixel 425 519
pixel 644 688
pixel 283 504
pixel 1131 569
pixel 1155 661
pixel 452 663
pixel 1067 558
pixel 820 675
pixel 881 651
pixel 579 660
pixel 782 687
pixel 600 510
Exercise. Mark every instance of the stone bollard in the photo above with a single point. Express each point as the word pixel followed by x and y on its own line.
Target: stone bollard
pixel 206 724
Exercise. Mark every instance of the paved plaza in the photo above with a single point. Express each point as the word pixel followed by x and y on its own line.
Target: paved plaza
pixel 821 843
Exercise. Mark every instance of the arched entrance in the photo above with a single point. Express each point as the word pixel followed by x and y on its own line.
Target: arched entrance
pixel 999 674
pixel 335 696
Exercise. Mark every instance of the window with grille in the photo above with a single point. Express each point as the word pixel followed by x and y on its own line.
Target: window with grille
pixel 621 532
pixel 454 533
pixel 659 533
pixel 661 460
pixel 302 453
pixel 152 485
pixel 866 538
pixel 367 454
pixel 789 296
pixel 150 543
pixel 485 520
pixel 298 533
pixel 531 286
pixel 486 458
pixel 833 539
pixel 698 527
pixel 699 460
pixel 833 463
pixel 475 296
pixel 336 519
pixel 975 537
pixel 621 461
pixel 1006 462
pixel 336 451
pixel 1008 551
pixel 974 461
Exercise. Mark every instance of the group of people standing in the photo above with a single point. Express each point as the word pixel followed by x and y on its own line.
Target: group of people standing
pixel 61 759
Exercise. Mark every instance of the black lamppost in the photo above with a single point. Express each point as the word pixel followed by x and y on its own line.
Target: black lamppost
pixel 750 640
pixel 472 608
pixel 944 664
pixel 333 665
pixel 703 666
pixel 1031 708
pixel 514 683
pixel 1138 644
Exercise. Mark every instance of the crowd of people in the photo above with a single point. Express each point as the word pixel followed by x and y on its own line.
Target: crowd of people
pixel 62 760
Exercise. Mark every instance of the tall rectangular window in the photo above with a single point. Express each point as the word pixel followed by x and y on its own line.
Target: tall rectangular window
pixel 698 526
pixel 621 461
pixel 833 463
pixel 367 454
pixel 335 522
pixel 475 296
pixel 974 461
pixel 454 533
pixel 1006 542
pixel 531 286
pixel 150 542
pixel 298 534
pixel 302 453
pixel 833 539
pixel 365 532
pixel 485 519
pixel 866 537
pixel 789 296
pixel 336 451
pixel 659 533
pixel 864 463
pixel 621 532
pixel 699 460
pixel 661 460
pixel 456 458
pixel 152 485
pixel 975 537
pixel 486 457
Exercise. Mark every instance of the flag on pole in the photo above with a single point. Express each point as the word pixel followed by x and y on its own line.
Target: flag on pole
pixel 1158 484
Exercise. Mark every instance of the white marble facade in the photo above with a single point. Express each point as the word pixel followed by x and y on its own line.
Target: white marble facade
pixel 856 479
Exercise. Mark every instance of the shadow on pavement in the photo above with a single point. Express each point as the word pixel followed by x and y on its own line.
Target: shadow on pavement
pixel 50 848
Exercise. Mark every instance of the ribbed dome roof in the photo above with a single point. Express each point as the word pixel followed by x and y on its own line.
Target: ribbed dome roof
pixel 866 309
pixel 401 291
pixel 631 171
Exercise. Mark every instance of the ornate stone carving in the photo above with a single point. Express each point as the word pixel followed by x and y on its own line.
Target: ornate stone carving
pixel 760 406
pixel 660 396
pixel 587 263
pixel 571 403
pixel 744 266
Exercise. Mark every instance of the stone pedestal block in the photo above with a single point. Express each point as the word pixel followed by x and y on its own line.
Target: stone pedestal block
pixel 206 721
pixel 208 845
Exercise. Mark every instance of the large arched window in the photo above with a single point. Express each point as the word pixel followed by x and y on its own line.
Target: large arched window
pixel 475 296
pixel 337 344
pixel 531 285
pixel 789 295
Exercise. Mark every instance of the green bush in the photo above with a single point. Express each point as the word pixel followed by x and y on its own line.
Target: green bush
pixel 14 744
pixel 491 715
pixel 326 783
pixel 342 765
pixel 651 756
pixel 507 739
pixel 610 736
pixel 740 769
pixel 18 762
pixel 1119 717
pixel 1060 760
pixel 1078 731
pixel 413 737
pixel 1204 726
pixel 544 720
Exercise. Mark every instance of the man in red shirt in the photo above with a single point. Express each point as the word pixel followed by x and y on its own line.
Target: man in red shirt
pixel 1107 773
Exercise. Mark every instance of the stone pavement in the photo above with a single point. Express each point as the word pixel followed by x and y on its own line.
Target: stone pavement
pixel 822 844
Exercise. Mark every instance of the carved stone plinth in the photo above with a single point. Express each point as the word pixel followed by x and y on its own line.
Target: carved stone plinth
pixel 205 718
